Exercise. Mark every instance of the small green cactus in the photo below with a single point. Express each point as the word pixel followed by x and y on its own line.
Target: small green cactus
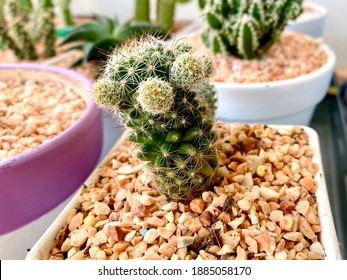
pixel 246 28
pixel 22 27
pixel 163 95
pixel 165 12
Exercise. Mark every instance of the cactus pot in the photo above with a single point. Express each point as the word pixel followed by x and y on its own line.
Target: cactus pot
pixel 290 101
pixel 37 180
pixel 311 22
pixel 68 225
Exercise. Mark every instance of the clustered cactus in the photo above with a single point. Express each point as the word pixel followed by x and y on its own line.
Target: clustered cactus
pixel 246 28
pixel 165 12
pixel 22 29
pixel 163 95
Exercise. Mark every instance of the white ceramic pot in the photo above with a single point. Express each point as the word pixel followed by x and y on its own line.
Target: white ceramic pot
pixel 310 22
pixel 289 101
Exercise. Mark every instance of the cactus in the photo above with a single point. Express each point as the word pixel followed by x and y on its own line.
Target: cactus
pixel 45 28
pixel 20 34
pixel 65 11
pixel 142 10
pixel 165 12
pixel 246 28
pixel 163 96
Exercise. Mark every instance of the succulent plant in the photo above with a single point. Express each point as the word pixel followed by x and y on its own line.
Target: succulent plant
pixel 163 96
pixel 165 12
pixel 23 26
pixel 99 37
pixel 246 28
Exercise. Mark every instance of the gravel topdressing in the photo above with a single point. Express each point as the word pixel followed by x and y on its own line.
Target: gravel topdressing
pixel 262 206
pixel 33 112
pixel 293 55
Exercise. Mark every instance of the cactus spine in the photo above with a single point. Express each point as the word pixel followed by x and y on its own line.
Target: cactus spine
pixel 163 96
pixel 246 28
pixel 16 25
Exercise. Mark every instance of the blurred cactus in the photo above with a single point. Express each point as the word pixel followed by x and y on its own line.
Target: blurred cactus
pixel 64 6
pixel 165 12
pixel 22 27
pixel 142 10
pixel 246 28
pixel 163 96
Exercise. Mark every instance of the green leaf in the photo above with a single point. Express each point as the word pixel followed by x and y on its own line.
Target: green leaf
pixel 106 23
pixel 99 50
pixel 85 32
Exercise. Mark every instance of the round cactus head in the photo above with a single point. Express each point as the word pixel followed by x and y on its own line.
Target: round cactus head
pixel 163 94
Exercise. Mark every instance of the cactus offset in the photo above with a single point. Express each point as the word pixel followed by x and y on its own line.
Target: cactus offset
pixel 246 28
pixel 164 98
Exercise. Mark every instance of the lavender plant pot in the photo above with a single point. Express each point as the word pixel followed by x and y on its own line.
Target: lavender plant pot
pixel 36 181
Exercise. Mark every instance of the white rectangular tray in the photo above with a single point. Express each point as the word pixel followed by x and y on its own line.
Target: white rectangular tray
pixel 328 237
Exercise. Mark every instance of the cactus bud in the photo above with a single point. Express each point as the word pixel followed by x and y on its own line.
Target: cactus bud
pixel 155 96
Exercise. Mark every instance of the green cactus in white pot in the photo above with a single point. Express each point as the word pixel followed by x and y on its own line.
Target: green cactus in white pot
pixel 163 96
pixel 246 28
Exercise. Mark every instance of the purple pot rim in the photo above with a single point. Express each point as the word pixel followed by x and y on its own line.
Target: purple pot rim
pixel 90 111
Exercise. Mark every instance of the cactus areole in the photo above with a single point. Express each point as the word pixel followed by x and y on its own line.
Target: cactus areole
pixel 163 96
pixel 246 28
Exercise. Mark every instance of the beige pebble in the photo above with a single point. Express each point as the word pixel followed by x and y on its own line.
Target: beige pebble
pixel 76 221
pixel 276 215
pixel 197 205
pixel 218 201
pixel 269 194
pixel 146 200
pixel 101 208
pixel 309 183
pixel 286 223
pixel 151 235
pixel 167 250
pixel 237 222
pixel 302 207
pixel 252 245
pixel 306 229
pixel 281 255
pixel 78 237
pixel 293 236
pixel 245 204
pixel 155 222
pixel 171 206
